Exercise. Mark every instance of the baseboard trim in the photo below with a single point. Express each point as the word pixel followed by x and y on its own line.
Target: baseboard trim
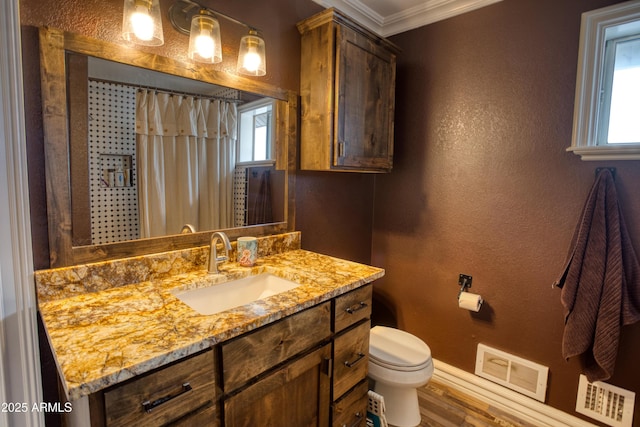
pixel 530 410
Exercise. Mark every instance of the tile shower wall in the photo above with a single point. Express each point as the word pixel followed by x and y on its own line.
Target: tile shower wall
pixel 112 146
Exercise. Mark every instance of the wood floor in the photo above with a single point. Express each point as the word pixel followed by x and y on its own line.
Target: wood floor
pixel 441 406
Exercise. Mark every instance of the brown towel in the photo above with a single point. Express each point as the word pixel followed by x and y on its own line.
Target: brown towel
pixel 600 282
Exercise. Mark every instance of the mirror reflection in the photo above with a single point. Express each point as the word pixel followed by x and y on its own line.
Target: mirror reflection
pixel 161 154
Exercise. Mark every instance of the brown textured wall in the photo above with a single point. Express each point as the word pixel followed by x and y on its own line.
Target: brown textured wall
pixel 482 185
pixel 334 213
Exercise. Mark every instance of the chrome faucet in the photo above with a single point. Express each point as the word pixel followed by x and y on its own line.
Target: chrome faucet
pixel 214 259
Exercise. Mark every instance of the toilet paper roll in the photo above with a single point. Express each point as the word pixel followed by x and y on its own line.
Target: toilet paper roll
pixel 469 301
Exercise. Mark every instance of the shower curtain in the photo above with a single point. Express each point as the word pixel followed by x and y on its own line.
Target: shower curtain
pixel 186 153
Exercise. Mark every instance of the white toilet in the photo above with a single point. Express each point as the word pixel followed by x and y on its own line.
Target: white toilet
pixel 399 363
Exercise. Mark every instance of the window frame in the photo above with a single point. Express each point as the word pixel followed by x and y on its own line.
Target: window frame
pixel 251 106
pixel 590 77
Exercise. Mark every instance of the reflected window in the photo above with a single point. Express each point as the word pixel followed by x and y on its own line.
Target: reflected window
pixel 255 136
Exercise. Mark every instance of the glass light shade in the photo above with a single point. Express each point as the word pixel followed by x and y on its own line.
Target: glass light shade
pixel 142 23
pixel 204 39
pixel 252 60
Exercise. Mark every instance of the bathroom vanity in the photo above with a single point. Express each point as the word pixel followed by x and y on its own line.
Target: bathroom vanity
pixel 129 351
pixel 135 354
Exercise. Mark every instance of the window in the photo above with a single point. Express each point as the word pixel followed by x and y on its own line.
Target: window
pixel 619 122
pixel 255 136
pixel 607 104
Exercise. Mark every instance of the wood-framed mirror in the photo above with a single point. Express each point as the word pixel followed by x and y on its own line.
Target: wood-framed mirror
pixel 68 243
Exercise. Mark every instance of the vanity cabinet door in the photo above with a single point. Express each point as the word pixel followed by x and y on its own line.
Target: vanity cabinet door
pixel 351 358
pixel 254 353
pixel 184 393
pixel 351 409
pixel 297 394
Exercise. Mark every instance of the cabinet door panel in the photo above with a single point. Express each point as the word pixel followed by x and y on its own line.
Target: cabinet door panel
pixel 365 97
pixel 258 351
pixel 296 395
pixel 351 358
pixel 351 410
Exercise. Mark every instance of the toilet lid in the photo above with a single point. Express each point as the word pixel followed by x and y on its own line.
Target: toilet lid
pixel 397 348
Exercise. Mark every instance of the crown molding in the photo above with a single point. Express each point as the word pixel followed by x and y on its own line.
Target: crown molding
pixel 425 13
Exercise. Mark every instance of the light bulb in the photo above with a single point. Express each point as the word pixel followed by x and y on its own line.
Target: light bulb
pixel 251 56
pixel 204 44
pixel 142 23
pixel 251 61
pixel 204 39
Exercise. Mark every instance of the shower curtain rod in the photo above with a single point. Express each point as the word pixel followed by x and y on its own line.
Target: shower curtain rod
pixel 169 91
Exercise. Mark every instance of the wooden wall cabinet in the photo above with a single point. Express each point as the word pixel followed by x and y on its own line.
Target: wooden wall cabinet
pixel 347 89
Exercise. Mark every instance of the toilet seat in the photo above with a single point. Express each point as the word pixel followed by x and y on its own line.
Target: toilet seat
pixel 398 350
pixel 400 368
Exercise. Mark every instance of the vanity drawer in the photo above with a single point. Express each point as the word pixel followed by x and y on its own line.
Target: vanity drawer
pixel 353 307
pixel 351 358
pixel 351 409
pixel 185 390
pixel 256 352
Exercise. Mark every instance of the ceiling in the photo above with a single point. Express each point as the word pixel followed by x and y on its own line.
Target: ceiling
pixel 389 17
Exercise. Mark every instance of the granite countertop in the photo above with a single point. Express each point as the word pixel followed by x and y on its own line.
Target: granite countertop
pixel 105 337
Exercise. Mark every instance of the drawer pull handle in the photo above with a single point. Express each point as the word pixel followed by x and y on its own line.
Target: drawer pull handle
pixel 358 420
pixel 350 364
pixel 150 406
pixel 356 307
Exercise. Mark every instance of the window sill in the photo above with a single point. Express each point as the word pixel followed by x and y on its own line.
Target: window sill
pixel 626 152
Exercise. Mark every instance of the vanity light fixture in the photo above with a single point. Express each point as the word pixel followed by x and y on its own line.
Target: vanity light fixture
pixel 203 29
pixel 142 23
pixel 251 57
pixel 204 38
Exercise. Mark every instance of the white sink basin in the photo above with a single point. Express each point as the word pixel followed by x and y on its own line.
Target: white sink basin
pixel 223 296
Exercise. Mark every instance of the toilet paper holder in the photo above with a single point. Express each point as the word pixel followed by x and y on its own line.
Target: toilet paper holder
pixel 464 281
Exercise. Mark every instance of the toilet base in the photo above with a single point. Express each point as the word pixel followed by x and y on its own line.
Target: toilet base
pixel 401 404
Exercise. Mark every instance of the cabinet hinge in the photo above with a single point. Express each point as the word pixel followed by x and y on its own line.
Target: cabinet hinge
pixel 340 149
